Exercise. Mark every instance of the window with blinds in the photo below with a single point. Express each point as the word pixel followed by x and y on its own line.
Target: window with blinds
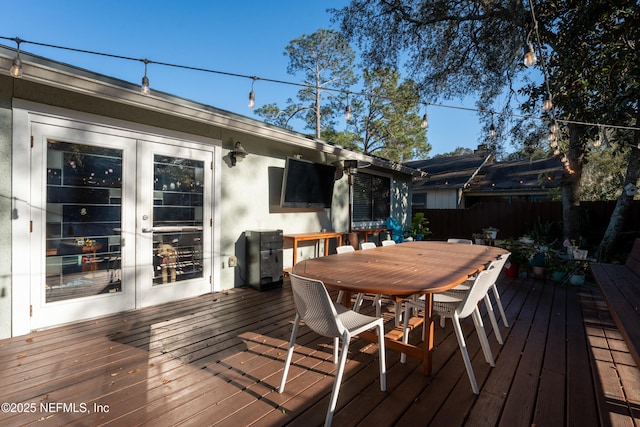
pixel 371 197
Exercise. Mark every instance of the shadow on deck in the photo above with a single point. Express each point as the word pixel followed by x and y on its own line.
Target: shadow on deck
pixel 217 359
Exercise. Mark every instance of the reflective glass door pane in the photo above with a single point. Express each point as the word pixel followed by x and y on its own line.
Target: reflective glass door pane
pixel 178 201
pixel 83 221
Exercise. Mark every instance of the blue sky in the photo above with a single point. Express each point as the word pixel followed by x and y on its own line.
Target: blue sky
pixel 241 37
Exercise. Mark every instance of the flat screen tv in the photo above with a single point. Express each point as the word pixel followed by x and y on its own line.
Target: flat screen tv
pixel 307 184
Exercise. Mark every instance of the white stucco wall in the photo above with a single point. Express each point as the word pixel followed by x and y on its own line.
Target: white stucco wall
pixel 251 201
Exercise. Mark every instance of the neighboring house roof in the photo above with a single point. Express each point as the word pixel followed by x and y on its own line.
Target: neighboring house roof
pixel 520 176
pixel 449 172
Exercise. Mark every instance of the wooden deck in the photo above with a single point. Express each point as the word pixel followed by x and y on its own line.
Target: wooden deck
pixel 216 360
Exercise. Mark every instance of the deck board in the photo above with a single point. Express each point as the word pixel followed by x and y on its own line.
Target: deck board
pixel 217 360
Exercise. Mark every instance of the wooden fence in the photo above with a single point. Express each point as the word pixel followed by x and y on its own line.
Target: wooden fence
pixel 517 219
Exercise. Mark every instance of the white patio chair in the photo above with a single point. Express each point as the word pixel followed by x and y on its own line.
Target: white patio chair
pixel 496 294
pixel 459 308
pixel 377 298
pixel 464 287
pixel 388 242
pixel 321 315
pixel 343 250
pixel 367 245
pixel 463 241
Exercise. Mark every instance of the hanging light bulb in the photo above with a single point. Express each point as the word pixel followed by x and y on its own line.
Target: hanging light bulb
pixel 252 95
pixel 554 128
pixel 425 121
pixel 530 58
pixel 597 143
pixel 145 79
pixel 547 104
pixel 16 66
pixel 556 152
pixel 347 109
pixel 492 128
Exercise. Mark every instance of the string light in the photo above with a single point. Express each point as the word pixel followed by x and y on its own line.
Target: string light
pixel 425 119
pixel 252 94
pixel 347 109
pixel 186 67
pixel 145 79
pixel 530 58
pixel 16 66
pixel 597 143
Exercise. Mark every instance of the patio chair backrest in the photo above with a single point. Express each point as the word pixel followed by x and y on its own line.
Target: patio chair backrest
pixel 315 307
pixel 463 241
pixel 367 245
pixel 479 288
pixel 388 242
pixel 344 249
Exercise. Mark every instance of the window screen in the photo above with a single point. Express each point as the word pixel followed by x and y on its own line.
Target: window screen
pixel 371 197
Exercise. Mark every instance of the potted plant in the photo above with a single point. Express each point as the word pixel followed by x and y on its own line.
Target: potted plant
pixel 558 265
pixel 419 226
pixel 478 238
pixel 519 256
pixel 490 233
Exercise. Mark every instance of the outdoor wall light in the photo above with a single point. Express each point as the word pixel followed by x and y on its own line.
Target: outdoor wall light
pixel 237 154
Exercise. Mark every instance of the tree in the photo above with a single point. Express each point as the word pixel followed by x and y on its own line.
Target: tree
pixel 386 119
pixel 327 62
pixel 452 48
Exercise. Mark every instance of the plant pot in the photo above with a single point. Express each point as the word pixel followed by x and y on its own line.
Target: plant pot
pixel 512 270
pixel 538 271
pixel 576 280
pixel 558 276
pixel 419 237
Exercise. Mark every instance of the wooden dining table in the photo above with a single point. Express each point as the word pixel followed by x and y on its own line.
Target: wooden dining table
pixel 401 271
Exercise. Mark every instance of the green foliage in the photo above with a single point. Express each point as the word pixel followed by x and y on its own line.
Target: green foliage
pixel 454 49
pixel 326 61
pixel 419 224
pixel 386 119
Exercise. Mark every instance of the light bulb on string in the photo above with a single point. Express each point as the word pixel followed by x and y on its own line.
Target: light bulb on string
pixel 145 79
pixel 425 119
pixel 547 104
pixel 347 109
pixel 16 66
pixel 598 142
pixel 252 94
pixel 530 58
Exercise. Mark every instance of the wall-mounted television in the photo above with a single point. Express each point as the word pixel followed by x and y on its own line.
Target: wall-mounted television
pixel 307 184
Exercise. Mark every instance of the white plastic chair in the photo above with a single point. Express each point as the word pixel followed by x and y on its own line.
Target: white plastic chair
pixel 464 287
pixel 388 242
pixel 367 245
pixel 463 241
pixel 343 250
pixel 459 308
pixel 377 299
pixel 321 315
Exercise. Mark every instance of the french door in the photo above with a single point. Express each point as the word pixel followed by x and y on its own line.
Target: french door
pixel 118 222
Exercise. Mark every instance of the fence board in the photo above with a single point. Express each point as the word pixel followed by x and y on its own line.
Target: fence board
pixel 517 219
